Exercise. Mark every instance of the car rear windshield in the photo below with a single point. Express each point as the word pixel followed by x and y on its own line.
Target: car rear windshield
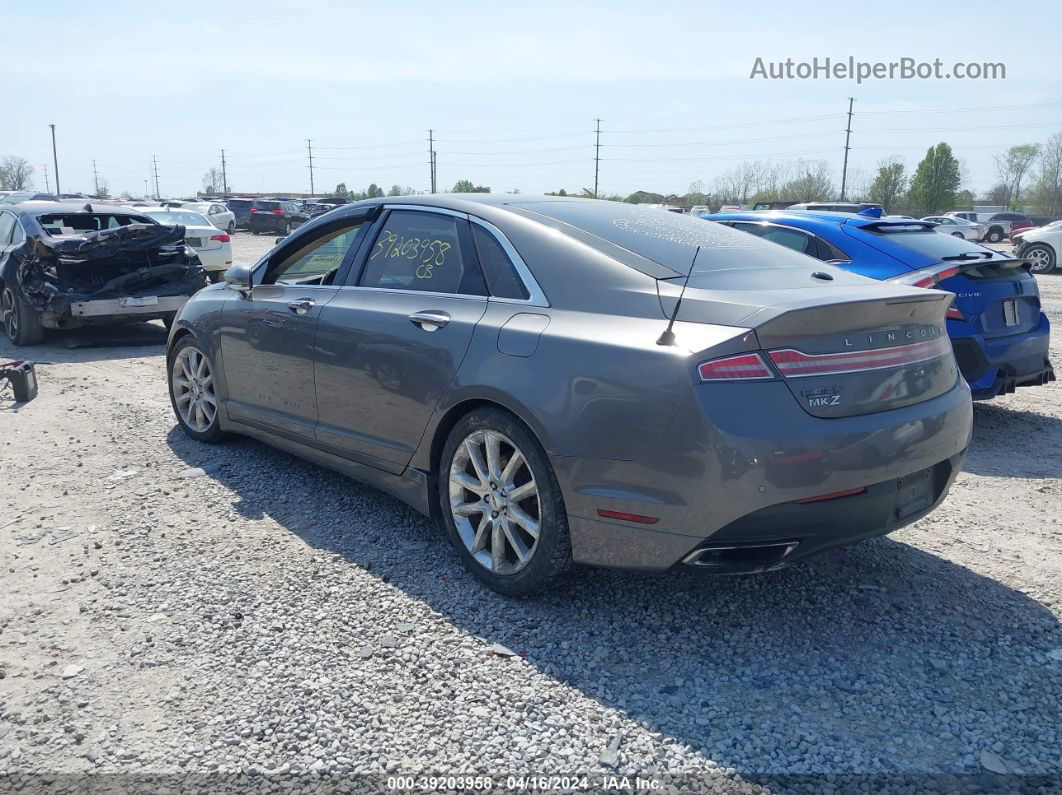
pixel 929 242
pixel 269 205
pixel 670 239
pixel 239 203
pixel 58 224
pixel 174 217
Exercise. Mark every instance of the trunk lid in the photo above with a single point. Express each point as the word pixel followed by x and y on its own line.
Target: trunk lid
pixel 843 348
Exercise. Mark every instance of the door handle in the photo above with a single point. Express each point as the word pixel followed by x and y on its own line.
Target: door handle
pixel 301 307
pixel 429 321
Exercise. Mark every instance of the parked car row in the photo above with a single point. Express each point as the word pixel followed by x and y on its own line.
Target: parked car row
pixel 999 333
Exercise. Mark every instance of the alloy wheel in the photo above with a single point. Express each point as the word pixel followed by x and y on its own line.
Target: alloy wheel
pixel 494 501
pixel 8 313
pixel 193 389
pixel 1039 259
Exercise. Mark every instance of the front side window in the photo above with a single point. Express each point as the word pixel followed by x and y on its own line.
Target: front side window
pixel 59 224
pixel 314 260
pixel 421 251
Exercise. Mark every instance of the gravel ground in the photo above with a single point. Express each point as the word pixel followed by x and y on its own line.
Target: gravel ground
pixel 168 608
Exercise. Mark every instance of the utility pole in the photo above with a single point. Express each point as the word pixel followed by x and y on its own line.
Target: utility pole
pixel 225 178
pixel 434 170
pixel 309 151
pixel 146 191
pixel 47 185
pixel 95 178
pixel 847 136
pixel 597 153
pixel 55 160
pixel 155 163
pixel 431 159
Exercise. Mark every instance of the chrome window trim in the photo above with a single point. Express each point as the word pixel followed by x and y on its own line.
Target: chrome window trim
pixel 536 296
pixel 425 209
pixel 426 293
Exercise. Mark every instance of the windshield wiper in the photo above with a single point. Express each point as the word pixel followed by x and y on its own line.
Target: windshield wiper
pixel 970 255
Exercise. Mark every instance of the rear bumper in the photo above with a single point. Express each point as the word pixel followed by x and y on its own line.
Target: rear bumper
pixel 735 481
pixel 109 310
pixel 997 365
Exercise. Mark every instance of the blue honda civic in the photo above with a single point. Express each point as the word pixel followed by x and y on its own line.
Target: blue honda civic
pixel 999 334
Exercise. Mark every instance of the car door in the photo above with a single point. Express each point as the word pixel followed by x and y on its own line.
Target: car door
pixel 391 341
pixel 267 332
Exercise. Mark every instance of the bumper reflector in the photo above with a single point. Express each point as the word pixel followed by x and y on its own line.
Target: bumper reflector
pixel 836 495
pixel 637 518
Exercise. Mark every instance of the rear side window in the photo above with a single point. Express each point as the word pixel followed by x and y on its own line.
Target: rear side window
pixel 790 238
pixel 7 225
pixel 498 269
pixel 421 251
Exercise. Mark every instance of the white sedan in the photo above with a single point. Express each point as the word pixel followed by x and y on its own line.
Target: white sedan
pixel 215 212
pixel 1040 246
pixel 211 245
pixel 958 227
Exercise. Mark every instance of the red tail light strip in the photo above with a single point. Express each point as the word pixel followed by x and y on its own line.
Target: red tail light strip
pixel 796 364
pixel 746 366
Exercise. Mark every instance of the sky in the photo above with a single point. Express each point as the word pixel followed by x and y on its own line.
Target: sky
pixel 510 90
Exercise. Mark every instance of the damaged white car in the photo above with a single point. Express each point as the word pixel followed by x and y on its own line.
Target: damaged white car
pixel 65 265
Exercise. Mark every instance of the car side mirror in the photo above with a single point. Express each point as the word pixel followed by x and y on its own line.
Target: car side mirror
pixel 239 276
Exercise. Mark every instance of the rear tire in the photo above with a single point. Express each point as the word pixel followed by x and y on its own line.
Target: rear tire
pixel 232 228
pixel 21 322
pixel 995 234
pixel 1041 258
pixel 517 546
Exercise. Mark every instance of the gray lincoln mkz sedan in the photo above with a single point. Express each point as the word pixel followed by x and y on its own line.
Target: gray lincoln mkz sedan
pixel 562 380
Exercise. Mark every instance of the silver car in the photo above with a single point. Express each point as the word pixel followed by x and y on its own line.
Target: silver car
pixel 564 381
pixel 958 227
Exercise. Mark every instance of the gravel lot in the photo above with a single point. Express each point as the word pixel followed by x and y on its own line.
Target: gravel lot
pixel 266 619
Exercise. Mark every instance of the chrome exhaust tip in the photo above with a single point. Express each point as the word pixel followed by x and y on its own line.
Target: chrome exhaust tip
pixel 751 557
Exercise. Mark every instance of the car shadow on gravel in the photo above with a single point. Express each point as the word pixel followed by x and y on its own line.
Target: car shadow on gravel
pixel 109 343
pixel 878 656
pixel 1014 443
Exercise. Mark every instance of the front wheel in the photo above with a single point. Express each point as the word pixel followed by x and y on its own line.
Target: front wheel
pixel 20 320
pixel 958 234
pixel 502 505
pixel 192 392
pixel 994 235
pixel 1041 258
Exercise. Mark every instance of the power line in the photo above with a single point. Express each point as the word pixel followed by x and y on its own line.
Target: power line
pixel 729 126
pixel 962 110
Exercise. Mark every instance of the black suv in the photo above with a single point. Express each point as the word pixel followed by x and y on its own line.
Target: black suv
pixel 275 216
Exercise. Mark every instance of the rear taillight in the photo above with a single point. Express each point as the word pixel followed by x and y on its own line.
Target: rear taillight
pixel 747 366
pixel 221 238
pixel 797 364
pixel 254 211
pixel 278 212
pixel 954 313
pixel 927 277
